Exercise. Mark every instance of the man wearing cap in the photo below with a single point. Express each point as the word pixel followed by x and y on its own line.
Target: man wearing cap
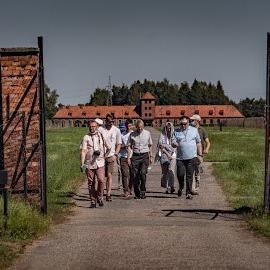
pixel 188 150
pixel 195 122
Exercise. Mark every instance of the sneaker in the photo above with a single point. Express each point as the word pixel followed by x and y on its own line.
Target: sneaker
pixel 137 198
pixel 172 190
pixel 92 205
pixel 100 203
pixel 143 196
pixel 179 193
pixel 193 192
pixel 108 198
pixel 189 197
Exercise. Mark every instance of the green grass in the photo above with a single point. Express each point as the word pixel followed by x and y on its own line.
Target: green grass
pixel 240 152
pixel 25 223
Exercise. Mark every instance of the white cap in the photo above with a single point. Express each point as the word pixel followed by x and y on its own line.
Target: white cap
pixel 195 117
pixel 99 121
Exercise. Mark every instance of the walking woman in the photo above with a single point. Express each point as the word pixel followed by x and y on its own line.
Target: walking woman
pixel 167 152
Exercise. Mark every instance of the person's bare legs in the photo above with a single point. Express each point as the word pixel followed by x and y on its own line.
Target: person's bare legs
pixel 109 185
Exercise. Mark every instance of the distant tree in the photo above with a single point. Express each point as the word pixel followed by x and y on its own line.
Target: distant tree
pixel 252 107
pixel 51 97
pixel 99 97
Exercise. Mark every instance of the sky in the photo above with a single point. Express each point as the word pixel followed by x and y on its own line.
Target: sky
pixel 85 41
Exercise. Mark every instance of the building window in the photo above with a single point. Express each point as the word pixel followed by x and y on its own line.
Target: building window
pixel 160 122
pixel 211 121
pixel 196 111
pixel 126 113
pixel 98 113
pixel 221 112
pixel 84 113
pixel 182 112
pixel 168 112
pixel 150 114
pixel 146 115
pixel 211 112
pixel 145 108
pixel 204 121
pixel 69 114
pixel 149 108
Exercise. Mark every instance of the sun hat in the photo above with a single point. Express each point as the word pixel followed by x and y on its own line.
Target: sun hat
pixel 195 117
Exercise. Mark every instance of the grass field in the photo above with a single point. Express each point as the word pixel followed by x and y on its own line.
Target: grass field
pixel 25 222
pixel 241 171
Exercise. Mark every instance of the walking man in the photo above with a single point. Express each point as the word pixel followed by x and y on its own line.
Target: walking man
pixel 113 135
pixel 189 148
pixel 140 145
pixel 195 122
pixel 94 149
pixel 123 155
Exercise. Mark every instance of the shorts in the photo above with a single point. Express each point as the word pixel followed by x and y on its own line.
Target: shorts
pixel 109 165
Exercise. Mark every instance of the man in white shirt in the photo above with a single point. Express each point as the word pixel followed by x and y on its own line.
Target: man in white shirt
pixel 123 155
pixel 113 135
pixel 140 143
pixel 94 149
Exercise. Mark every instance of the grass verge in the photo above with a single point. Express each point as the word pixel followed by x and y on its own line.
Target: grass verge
pixel 25 223
pixel 240 152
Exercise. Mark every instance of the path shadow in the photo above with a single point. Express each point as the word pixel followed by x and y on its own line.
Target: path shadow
pixel 217 212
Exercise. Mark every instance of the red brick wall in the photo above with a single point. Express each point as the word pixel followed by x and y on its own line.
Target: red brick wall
pixel 17 70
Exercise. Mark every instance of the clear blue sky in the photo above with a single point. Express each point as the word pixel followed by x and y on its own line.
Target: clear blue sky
pixel 85 41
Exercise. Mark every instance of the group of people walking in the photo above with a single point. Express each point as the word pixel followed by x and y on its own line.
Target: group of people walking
pixel 179 151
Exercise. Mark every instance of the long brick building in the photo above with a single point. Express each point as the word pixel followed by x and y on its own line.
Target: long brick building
pixel 147 110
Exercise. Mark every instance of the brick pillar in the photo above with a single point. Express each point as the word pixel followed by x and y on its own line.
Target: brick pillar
pixel 18 68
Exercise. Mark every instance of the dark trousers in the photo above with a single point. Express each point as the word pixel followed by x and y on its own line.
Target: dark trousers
pixel 139 167
pixel 126 175
pixel 185 168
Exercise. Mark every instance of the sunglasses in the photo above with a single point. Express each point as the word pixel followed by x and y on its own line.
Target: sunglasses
pixel 183 124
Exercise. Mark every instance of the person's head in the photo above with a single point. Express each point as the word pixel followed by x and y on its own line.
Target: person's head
pixel 109 121
pixel 129 124
pixel 99 121
pixel 168 127
pixel 93 126
pixel 184 120
pixel 195 120
pixel 139 125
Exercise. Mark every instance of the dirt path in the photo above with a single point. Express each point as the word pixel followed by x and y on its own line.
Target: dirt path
pixel 137 234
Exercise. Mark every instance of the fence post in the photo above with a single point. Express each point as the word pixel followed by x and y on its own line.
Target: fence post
pixel 267 133
pixel 42 129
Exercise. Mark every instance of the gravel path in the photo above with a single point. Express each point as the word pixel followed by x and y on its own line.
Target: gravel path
pixel 160 232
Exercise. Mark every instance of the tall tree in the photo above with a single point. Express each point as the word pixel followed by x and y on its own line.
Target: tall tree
pixel 51 97
pixel 252 107
pixel 99 97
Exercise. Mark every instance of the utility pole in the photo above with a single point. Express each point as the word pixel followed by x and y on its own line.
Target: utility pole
pixel 109 87
pixel 267 133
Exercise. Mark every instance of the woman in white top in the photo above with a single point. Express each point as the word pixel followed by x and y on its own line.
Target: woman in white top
pixel 167 155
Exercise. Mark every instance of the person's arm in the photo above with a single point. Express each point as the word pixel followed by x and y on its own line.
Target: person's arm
pixel 207 146
pixel 150 145
pixel 199 147
pixel 118 142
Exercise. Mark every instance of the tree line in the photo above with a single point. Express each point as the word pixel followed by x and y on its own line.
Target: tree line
pixel 166 93
pixel 199 92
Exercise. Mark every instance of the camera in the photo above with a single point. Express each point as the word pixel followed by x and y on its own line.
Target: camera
pixel 96 153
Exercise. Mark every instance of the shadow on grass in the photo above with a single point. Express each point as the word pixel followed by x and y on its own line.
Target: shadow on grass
pixel 239 211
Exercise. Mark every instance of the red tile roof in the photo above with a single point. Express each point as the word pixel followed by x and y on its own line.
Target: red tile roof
pixel 205 111
pixel 161 111
pixel 90 112
pixel 148 95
